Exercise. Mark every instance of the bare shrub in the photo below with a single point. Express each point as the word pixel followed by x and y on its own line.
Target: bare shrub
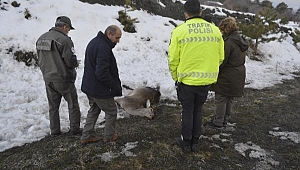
pixel 29 58
pixel 27 14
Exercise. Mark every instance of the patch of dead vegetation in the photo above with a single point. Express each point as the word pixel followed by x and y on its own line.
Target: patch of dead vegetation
pixel 149 144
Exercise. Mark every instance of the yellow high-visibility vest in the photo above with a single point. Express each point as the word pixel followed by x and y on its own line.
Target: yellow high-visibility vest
pixel 195 53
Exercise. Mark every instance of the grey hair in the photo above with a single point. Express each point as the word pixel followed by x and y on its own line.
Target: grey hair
pixel 59 24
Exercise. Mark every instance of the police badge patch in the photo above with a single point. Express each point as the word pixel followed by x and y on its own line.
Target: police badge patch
pixel 73 50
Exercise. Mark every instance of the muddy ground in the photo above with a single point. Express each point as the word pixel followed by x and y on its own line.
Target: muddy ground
pixel 248 143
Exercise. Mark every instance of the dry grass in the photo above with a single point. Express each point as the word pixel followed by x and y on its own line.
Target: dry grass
pixel 257 113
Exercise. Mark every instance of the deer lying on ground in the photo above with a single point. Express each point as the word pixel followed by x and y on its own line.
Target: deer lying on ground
pixel 138 101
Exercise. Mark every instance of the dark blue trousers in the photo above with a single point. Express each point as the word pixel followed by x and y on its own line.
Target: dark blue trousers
pixel 192 99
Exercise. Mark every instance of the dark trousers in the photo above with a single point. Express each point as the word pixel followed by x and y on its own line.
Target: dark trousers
pixel 55 91
pixel 192 99
pixel 223 110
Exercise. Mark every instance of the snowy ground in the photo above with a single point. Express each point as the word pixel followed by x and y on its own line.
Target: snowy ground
pixel 141 59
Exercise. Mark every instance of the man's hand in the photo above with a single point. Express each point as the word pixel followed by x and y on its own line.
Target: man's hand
pixel 176 85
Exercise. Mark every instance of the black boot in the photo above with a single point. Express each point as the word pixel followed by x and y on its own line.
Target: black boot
pixel 194 144
pixel 185 145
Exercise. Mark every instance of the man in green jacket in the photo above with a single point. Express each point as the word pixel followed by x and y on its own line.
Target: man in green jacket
pixel 57 61
pixel 195 52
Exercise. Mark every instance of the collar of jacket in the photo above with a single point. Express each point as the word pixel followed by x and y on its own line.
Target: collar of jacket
pixel 58 30
pixel 237 39
pixel 194 17
pixel 109 42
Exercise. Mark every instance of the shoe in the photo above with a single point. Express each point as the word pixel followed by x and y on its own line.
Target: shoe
pixel 194 148
pixel 112 139
pixel 76 132
pixel 185 145
pixel 225 121
pixel 213 126
pixel 55 134
pixel 90 140
pixel 194 144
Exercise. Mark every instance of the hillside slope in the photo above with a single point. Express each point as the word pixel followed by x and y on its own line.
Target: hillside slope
pixel 261 135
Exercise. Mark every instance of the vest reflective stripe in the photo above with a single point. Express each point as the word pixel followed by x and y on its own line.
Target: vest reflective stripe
pixel 198 75
pixel 196 50
pixel 199 39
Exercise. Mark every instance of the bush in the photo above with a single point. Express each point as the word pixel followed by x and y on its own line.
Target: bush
pixel 27 14
pixel 127 22
pixel 15 4
pixel 284 20
pixel 296 36
pixel 29 58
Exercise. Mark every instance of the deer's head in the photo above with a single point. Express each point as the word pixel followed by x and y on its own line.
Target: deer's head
pixel 149 112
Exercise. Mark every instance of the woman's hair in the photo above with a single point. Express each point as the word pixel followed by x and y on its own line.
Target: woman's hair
pixel 228 25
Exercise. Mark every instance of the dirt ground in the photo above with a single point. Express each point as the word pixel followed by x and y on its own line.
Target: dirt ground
pixel 144 144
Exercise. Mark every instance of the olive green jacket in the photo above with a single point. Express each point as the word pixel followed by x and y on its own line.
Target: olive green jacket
pixel 231 79
pixel 56 56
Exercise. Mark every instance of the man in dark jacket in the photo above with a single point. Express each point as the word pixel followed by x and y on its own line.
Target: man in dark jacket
pixel 101 83
pixel 232 73
pixel 57 61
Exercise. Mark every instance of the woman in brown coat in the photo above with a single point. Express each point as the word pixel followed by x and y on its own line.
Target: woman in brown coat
pixel 232 72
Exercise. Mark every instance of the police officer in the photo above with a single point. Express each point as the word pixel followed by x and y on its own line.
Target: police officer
pixel 195 52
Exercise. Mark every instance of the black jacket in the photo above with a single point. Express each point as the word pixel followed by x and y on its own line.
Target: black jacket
pixel 232 73
pixel 101 78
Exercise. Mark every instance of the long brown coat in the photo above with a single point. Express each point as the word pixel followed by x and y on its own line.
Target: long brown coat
pixel 232 74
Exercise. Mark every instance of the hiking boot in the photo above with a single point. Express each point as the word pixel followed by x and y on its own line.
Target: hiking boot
pixel 185 145
pixel 90 140
pixel 213 126
pixel 112 139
